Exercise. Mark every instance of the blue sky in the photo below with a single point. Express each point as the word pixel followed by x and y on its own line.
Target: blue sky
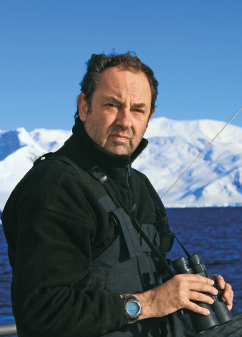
pixel 193 46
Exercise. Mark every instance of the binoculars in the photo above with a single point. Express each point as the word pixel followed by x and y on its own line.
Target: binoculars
pixel 219 313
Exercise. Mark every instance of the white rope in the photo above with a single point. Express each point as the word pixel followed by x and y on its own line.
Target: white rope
pixel 202 152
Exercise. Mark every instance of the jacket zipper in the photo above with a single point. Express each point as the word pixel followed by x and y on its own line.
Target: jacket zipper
pixel 129 184
pixel 129 170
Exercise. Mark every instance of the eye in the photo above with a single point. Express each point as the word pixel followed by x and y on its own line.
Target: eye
pixel 139 111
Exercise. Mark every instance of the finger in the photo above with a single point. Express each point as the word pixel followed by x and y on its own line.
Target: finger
pixel 229 303
pixel 194 278
pixel 227 291
pixel 220 281
pixel 199 297
pixel 202 287
pixel 203 279
pixel 230 306
pixel 196 308
pixel 228 294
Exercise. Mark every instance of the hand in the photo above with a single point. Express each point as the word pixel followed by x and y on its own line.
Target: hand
pixel 227 292
pixel 179 292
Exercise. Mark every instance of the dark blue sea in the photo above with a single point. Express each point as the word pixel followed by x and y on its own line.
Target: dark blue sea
pixel 214 233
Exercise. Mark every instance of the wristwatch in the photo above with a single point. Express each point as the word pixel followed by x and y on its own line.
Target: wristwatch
pixel 132 308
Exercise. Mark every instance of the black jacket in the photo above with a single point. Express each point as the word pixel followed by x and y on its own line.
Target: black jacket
pixel 55 227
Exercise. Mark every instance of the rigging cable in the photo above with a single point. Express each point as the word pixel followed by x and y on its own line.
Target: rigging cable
pixel 201 152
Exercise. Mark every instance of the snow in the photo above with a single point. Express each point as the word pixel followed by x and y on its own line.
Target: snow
pixel 50 140
pixel 214 180
pixel 18 151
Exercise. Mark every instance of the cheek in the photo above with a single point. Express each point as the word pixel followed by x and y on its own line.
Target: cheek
pixel 108 119
pixel 100 127
pixel 106 123
pixel 139 129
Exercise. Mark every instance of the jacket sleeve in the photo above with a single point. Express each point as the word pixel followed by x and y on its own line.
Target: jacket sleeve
pixel 53 253
pixel 50 258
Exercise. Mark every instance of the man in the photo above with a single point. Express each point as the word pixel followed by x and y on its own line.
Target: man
pixel 72 246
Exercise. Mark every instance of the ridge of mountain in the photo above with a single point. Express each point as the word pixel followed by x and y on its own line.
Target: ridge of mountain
pixel 214 180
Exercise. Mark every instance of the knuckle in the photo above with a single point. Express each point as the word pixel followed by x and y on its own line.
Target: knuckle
pixel 182 303
pixel 178 282
pixel 229 286
pixel 220 277
pixel 180 294
pixel 202 286
pixel 178 277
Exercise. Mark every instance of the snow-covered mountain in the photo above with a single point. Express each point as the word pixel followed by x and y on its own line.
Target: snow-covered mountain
pixel 19 149
pixel 216 177
pixel 214 180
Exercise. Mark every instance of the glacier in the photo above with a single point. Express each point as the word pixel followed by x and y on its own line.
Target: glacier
pixel 214 180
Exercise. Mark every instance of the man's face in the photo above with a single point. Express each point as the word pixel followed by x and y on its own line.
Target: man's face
pixel 120 110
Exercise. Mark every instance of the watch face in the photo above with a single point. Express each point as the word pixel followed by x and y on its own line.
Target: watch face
pixel 132 308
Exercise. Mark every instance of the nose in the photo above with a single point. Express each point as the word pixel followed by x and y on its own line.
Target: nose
pixel 123 118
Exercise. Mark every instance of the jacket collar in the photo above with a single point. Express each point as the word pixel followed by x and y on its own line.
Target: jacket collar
pixel 99 154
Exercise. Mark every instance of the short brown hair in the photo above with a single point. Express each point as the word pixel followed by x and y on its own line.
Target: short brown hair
pixel 98 63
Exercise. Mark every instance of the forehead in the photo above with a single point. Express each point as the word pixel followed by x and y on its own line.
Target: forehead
pixel 120 81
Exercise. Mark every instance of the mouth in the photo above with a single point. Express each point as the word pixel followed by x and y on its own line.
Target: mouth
pixel 120 137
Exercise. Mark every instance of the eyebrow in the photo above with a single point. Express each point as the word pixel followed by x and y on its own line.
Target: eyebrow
pixel 113 99
pixel 119 101
pixel 140 105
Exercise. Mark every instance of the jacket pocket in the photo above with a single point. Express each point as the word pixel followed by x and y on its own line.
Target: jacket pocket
pixel 151 232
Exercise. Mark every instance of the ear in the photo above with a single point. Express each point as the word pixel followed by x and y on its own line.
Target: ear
pixel 82 107
pixel 151 114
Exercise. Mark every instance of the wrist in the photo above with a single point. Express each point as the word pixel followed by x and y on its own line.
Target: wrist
pixel 146 300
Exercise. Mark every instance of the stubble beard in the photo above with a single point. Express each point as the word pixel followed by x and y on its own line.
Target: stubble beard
pixel 111 144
